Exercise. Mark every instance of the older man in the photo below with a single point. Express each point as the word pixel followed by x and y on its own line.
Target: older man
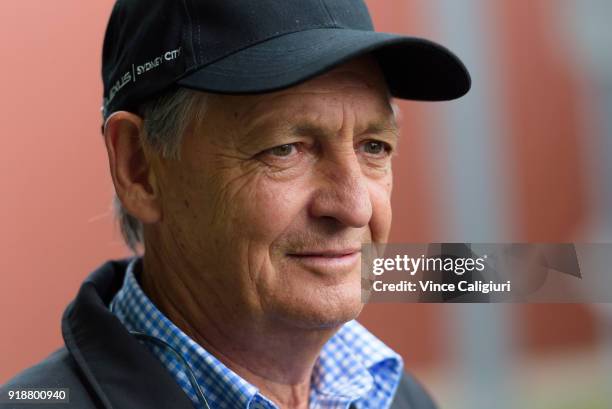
pixel 250 146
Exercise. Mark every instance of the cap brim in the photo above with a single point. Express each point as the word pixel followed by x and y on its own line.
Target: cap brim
pixel 414 68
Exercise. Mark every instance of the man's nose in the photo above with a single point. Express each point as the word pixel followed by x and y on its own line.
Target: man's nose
pixel 343 192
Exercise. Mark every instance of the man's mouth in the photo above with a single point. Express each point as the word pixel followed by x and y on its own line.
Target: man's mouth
pixel 329 260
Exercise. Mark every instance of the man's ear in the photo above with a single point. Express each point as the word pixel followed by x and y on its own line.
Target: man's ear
pixel 131 169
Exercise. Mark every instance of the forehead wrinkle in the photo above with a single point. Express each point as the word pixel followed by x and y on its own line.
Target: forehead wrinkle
pixel 252 114
pixel 323 87
pixel 308 123
pixel 375 127
pixel 268 112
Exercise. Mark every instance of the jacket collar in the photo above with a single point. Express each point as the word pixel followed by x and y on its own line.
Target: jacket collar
pixel 119 370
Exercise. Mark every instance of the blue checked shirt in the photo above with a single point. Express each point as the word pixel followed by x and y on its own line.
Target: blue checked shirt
pixel 354 366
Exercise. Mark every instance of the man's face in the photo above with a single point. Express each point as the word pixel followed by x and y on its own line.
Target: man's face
pixel 274 195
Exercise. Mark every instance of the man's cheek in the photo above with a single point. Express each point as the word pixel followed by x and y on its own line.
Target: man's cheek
pixel 275 206
pixel 380 224
pixel 232 197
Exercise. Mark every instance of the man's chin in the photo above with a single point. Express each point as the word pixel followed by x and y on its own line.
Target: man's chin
pixel 318 314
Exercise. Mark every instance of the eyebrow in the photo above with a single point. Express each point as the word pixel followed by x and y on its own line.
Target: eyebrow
pixel 376 128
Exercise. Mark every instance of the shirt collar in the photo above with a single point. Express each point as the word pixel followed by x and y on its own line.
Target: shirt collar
pixel 354 365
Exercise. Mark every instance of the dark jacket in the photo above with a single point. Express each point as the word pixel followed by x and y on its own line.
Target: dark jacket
pixel 105 367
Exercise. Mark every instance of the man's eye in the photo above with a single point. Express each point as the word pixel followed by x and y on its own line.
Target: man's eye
pixel 283 150
pixel 376 148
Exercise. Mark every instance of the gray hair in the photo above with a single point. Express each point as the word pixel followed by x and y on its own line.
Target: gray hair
pixel 165 121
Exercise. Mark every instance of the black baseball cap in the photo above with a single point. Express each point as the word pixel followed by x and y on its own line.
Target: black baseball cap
pixel 257 46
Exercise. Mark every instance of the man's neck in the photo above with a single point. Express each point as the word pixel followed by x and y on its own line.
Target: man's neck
pixel 276 358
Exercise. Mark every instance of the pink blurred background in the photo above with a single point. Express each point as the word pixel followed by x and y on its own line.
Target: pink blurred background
pixel 521 158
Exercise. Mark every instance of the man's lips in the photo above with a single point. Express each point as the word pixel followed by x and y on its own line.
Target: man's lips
pixel 329 260
pixel 331 253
